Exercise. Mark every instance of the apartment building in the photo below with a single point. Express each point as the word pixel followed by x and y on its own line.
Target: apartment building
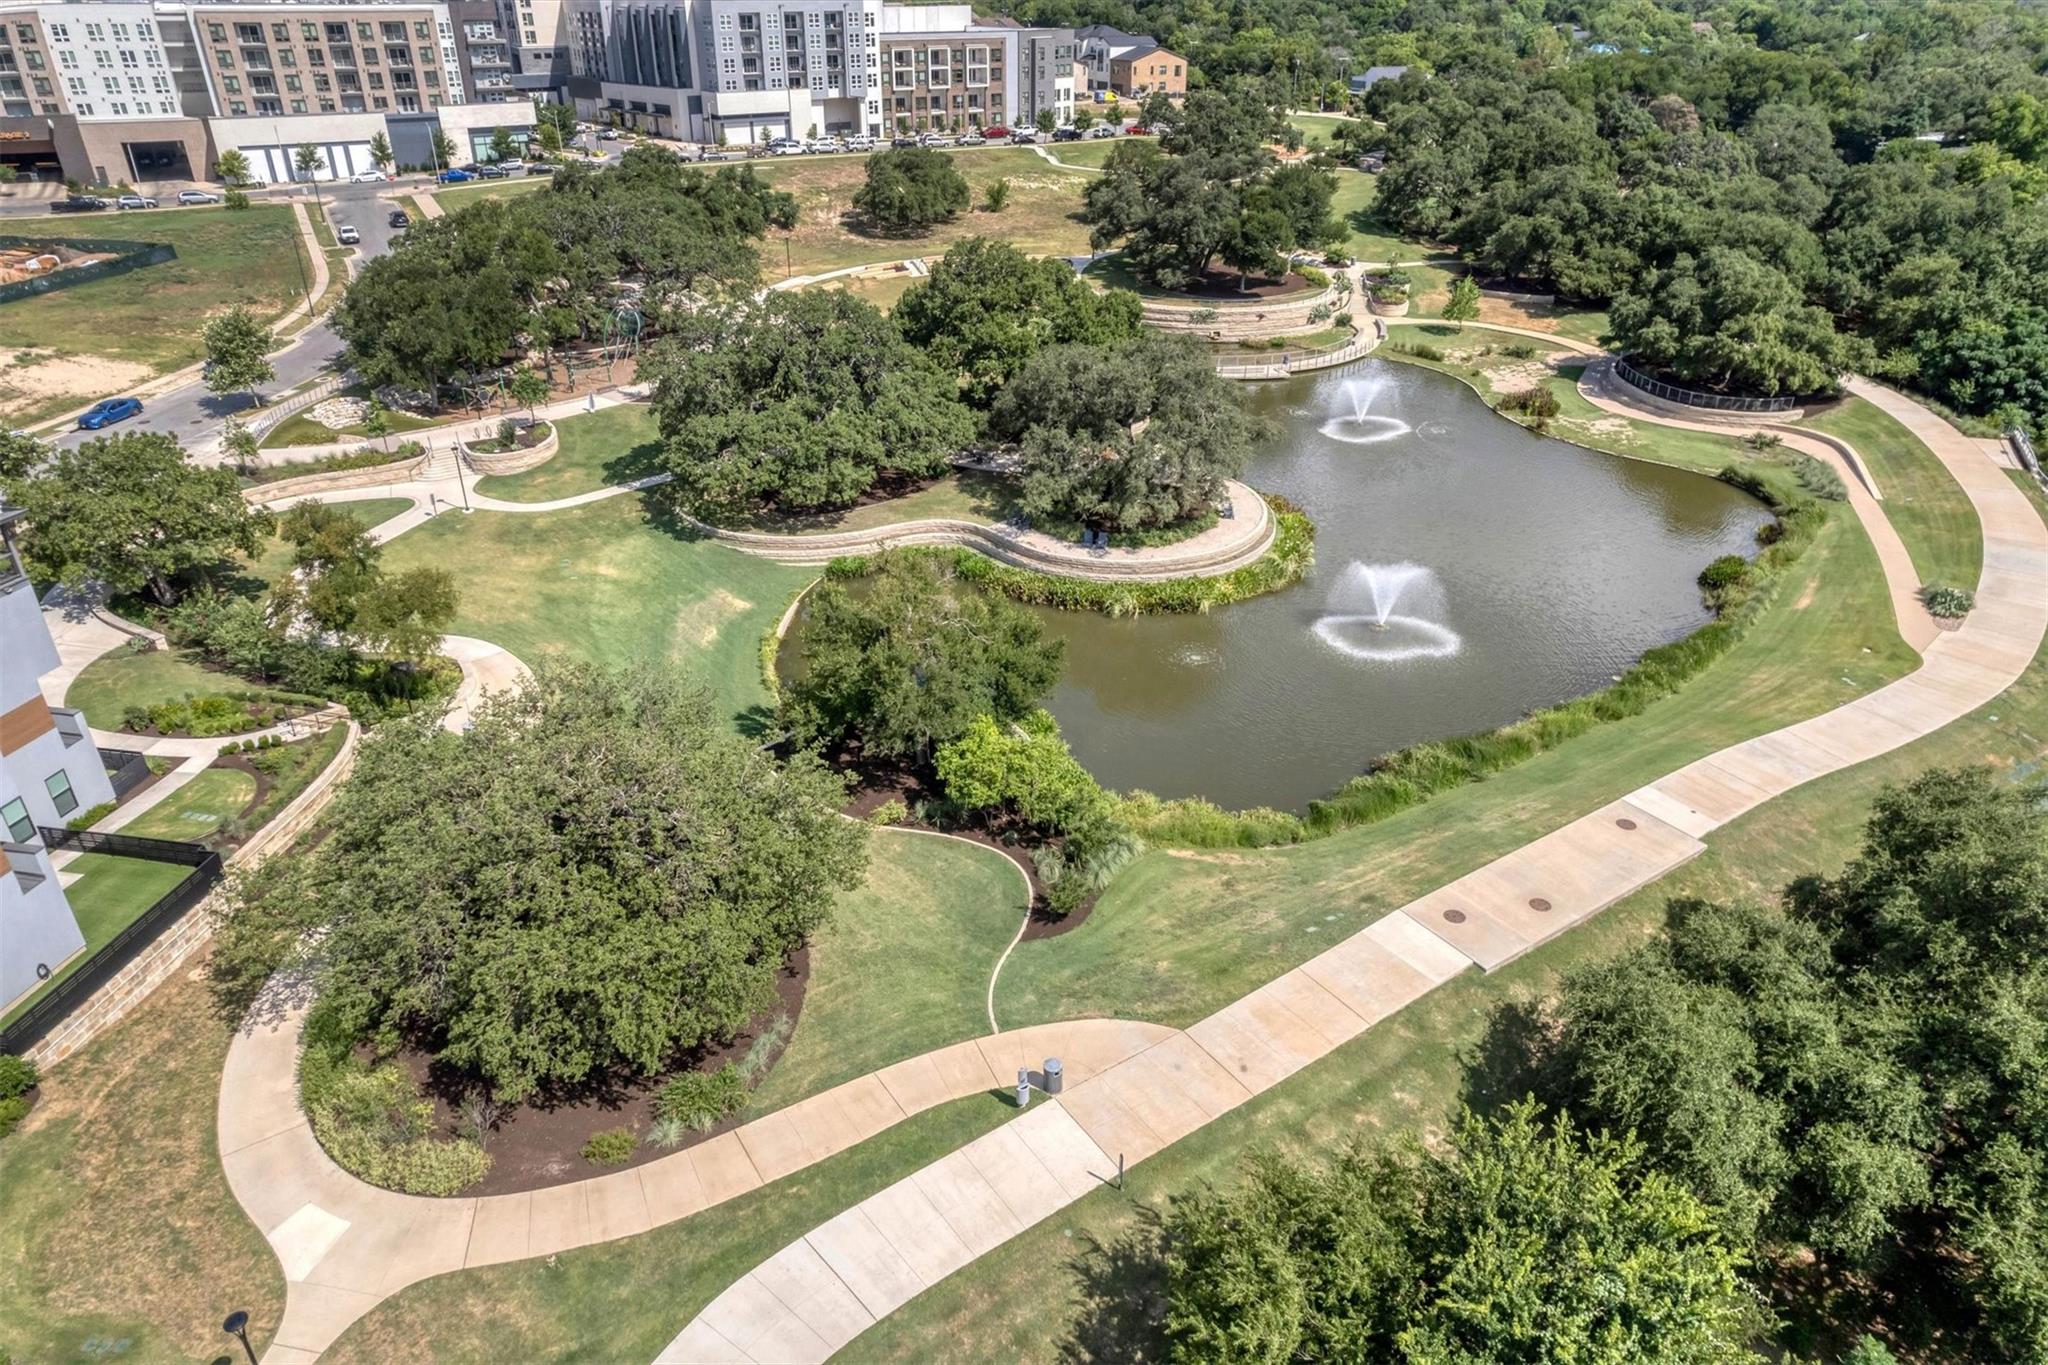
pixel 538 31
pixel 49 772
pixel 1130 65
pixel 115 90
pixel 750 71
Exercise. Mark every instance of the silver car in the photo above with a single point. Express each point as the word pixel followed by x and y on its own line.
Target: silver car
pixel 135 201
pixel 197 197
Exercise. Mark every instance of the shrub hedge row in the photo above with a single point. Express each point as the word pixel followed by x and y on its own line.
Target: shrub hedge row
pixel 373 1121
pixel 1407 777
pixel 1284 563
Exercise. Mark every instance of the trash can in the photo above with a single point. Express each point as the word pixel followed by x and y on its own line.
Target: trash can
pixel 1053 1075
pixel 1023 1087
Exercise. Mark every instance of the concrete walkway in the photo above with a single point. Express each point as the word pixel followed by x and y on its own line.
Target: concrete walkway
pixel 818 1293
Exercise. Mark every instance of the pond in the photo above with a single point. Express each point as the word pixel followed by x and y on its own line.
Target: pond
pixel 1467 572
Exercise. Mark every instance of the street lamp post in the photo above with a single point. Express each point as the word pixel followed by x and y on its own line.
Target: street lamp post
pixel 237 1326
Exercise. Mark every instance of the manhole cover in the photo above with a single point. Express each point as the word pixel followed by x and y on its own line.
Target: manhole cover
pixel 1455 916
pixel 1538 904
pixel 1626 824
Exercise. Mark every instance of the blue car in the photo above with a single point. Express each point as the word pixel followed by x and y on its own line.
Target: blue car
pixel 454 177
pixel 108 411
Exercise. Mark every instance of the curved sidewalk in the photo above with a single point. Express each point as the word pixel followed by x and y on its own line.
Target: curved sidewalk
pixel 818 1293
pixel 346 1245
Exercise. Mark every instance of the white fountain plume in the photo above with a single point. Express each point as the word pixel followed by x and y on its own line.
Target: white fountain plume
pixel 1360 426
pixel 1387 613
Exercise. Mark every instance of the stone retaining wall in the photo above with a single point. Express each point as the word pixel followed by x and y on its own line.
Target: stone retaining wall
pixel 1249 319
pixel 335 480
pixel 1006 545
pixel 516 460
pixel 171 949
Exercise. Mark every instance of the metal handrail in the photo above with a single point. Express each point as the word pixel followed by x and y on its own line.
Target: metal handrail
pixel 1698 398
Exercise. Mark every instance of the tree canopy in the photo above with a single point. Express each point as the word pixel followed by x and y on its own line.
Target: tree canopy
pixel 1133 436
pixel 130 512
pixel 986 308
pixel 1210 188
pixel 1857 1074
pixel 339 587
pixel 1522 1242
pixel 910 656
pixel 598 876
pixel 799 401
pixel 464 293
pixel 237 352
pixel 910 189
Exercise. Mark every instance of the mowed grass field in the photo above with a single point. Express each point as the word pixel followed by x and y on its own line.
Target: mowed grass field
pixel 598 449
pixel 69 346
pixel 615 582
pixel 1038 219
pixel 194 811
pixel 1922 500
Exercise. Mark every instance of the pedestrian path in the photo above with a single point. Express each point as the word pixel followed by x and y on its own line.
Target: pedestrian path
pixel 1131 1088
pixel 818 1293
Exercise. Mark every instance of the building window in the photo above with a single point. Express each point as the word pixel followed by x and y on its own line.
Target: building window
pixel 58 783
pixel 20 828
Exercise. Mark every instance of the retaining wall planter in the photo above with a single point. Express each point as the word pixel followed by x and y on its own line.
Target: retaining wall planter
pixel 335 480
pixel 1248 319
pixel 519 458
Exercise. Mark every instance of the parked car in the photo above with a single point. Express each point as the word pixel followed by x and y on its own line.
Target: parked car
pixel 367 178
pixel 860 142
pixel 1025 137
pixel 1103 130
pixel 347 235
pixel 937 140
pixel 197 197
pixel 541 168
pixel 828 143
pixel 108 411
pixel 135 201
pixel 609 135
pixel 785 146
pixel 399 219
pixel 454 176
pixel 491 172
pixel 1066 135
pixel 511 165
pixel 972 139
pixel 903 140
pixel 78 203
pixel 1141 130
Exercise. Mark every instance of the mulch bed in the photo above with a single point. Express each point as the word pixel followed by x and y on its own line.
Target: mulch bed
pixel 540 1143
pixel 281 712
pixel 877 783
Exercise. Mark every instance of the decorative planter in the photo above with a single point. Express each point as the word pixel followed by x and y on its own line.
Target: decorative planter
pixel 518 458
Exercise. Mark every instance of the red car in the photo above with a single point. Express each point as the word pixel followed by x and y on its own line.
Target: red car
pixel 993 133
pixel 1140 130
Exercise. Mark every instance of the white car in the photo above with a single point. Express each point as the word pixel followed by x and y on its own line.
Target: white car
pixel 512 165
pixel 827 143
pixel 367 178
pixel 1103 130
pixel 197 197
pixel 860 142
pixel 347 235
pixel 936 140
pixel 973 140
pixel 135 201
pixel 785 146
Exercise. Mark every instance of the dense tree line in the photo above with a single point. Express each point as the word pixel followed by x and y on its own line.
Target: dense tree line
pixel 597 877
pixel 469 292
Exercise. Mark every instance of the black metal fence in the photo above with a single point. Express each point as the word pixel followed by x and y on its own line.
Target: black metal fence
pixel 1697 398
pixel 59 1000
pixel 128 256
pixel 127 769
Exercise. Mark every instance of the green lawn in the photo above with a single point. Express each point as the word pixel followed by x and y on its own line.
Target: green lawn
pixel 1022 1301
pixel 1372 239
pixel 607 582
pixel 121 679
pixel 1039 219
pixel 883 291
pixel 196 810
pixel 965 494
pixel 95 339
pixel 1319 129
pixel 905 960
pixel 453 197
pixel 599 449
pixel 122 1240
pixel 1922 500
pixel 109 895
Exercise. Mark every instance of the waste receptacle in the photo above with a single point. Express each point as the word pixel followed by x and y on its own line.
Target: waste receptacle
pixel 1053 1075
pixel 1023 1087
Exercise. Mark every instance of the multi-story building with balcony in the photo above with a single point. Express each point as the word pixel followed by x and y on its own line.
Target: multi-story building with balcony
pixel 50 771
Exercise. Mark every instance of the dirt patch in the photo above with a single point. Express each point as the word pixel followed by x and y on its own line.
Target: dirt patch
pixel 1807 595
pixel 698 625
pixel 540 1143
pixel 31 378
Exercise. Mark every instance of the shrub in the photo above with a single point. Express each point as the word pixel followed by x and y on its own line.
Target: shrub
pixel 371 1120
pixel 134 717
pixel 1818 479
pixel 12 1111
pixel 889 813
pixel 236 199
pixel 612 1147
pixel 766 1044
pixel 668 1133
pixel 1421 350
pixel 18 1076
pixel 1321 313
pixel 1344 320
pixel 1537 402
pixel 701 1098
pixel 1520 350
pixel 1948 603
pixel 88 818
pixel 1319 278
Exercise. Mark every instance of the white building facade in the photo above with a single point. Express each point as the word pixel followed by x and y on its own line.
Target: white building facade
pixel 50 771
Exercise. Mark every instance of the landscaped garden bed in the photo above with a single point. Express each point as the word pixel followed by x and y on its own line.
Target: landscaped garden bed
pixel 514 435
pixel 212 715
